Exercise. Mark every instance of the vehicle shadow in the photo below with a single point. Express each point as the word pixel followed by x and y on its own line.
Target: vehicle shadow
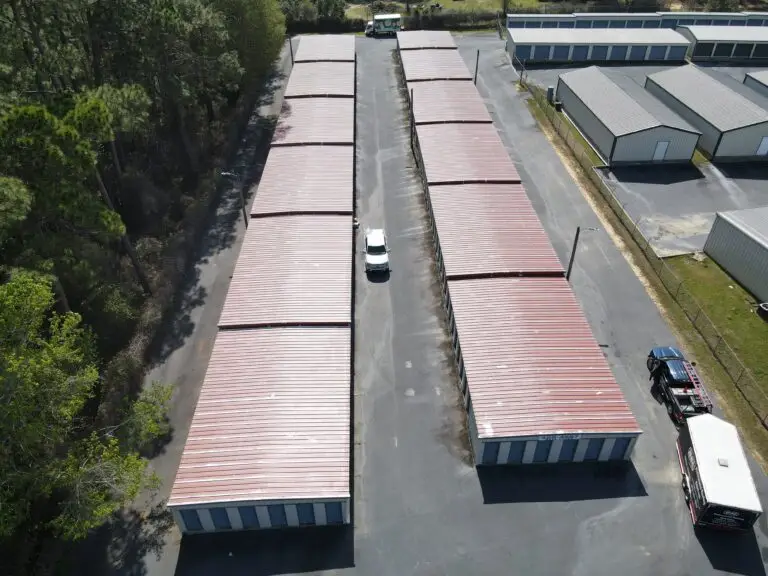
pixel 559 482
pixel 732 552
pixel 267 552
pixel 378 277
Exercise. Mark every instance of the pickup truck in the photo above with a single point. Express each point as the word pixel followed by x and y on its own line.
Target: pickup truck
pixel 678 384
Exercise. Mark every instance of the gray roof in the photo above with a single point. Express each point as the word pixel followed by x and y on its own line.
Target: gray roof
pixel 593 36
pixel 622 105
pixel 721 101
pixel 757 34
pixel 760 76
pixel 753 222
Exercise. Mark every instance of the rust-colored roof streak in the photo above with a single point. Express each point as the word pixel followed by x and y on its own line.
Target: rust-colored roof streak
pixel 272 420
pixel 292 270
pixel 315 121
pixel 421 39
pixel 330 79
pixel 532 363
pixel 306 180
pixel 420 65
pixel 444 101
pixel 326 48
pixel 491 230
pixel 464 154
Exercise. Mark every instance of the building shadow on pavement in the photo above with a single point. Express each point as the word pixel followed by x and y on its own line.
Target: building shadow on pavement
pixel 731 552
pixel 743 170
pixel 559 482
pixel 661 175
pixel 267 552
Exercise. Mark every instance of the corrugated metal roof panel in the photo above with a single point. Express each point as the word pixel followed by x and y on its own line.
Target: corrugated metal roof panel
pixel 760 76
pixel 532 363
pixel 419 39
pixel 718 104
pixel 491 229
pixel 447 101
pixel 306 179
pixel 336 79
pixel 315 121
pixel 292 270
pixel 326 48
pixel 598 36
pixel 433 65
pixel 272 421
pixel 464 154
pixel 749 34
pixel 752 221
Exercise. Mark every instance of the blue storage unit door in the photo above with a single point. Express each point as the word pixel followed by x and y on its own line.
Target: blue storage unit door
pixel 619 448
pixel 541 52
pixel 738 23
pixel 248 516
pixel 306 514
pixel 723 50
pixel 754 22
pixel 651 23
pixel 516 451
pixel 570 24
pixel 490 452
pixel 703 22
pixel 599 53
pixel 549 24
pixel 657 53
pixel 719 22
pixel 523 51
pixel 593 449
pixel 668 23
pixel 580 53
pixel 583 24
pixel 743 51
pixel 685 22
pixel 277 515
pixel 191 520
pixel 676 53
pixel 560 53
pixel 617 24
pixel 619 52
pixel 634 23
pixel 568 451
pixel 542 450
pixel 333 513
pixel 515 24
pixel 220 518
pixel 600 24
pixel 637 53
pixel 533 24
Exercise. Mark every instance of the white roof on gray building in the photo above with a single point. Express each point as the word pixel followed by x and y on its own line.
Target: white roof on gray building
pixel 723 467
pixel 722 106
pixel 747 34
pixel 593 36
pixel 622 105
pixel 759 76
pixel 753 222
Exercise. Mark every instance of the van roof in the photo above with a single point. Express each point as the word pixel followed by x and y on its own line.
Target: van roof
pixel 386 16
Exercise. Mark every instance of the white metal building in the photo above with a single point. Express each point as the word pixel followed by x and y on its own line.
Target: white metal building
pixel 533 45
pixel 731 117
pixel 636 20
pixel 738 242
pixel 758 81
pixel 726 43
pixel 624 123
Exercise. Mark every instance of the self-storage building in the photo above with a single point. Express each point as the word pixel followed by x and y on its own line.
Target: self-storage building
pixel 757 81
pixel 733 125
pixel 726 43
pixel 622 121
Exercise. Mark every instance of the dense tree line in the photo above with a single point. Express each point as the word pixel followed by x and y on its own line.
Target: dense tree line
pixel 110 112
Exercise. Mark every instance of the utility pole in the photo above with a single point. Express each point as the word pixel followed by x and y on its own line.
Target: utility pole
pixel 573 250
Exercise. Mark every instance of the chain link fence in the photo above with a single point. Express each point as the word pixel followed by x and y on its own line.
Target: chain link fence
pixel 741 377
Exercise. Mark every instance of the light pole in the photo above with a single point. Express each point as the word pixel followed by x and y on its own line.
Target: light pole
pixel 240 191
pixel 573 250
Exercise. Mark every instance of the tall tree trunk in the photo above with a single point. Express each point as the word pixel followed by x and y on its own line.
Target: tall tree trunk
pixel 38 41
pixel 27 48
pixel 61 295
pixel 116 157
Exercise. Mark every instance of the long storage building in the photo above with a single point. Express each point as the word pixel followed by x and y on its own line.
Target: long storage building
pixel 738 242
pixel 733 125
pixel 636 20
pixel 726 43
pixel 563 45
pixel 622 121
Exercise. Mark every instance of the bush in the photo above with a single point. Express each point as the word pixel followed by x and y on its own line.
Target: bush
pixel 325 26
pixel 449 20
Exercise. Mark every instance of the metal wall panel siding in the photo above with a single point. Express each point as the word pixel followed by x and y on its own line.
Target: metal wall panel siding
pixel 742 144
pixel 464 154
pixel 420 65
pixel 421 39
pixel 334 79
pixel 447 101
pixel 586 120
pixel 315 121
pixel 326 48
pixel 272 422
pixel 639 147
pixel 306 179
pixel 292 270
pixel 490 229
pixel 532 364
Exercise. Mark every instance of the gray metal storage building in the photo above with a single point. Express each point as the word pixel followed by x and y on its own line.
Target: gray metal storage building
pixel 623 122
pixel 757 81
pixel 726 43
pixel 733 125
pixel 738 242
pixel 591 45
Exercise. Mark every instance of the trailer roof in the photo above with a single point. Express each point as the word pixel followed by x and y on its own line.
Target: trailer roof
pixel 292 270
pixel 330 79
pixel 420 65
pixel 723 467
pixel 326 48
pixel 593 36
pixel 315 121
pixel 533 366
pixel 444 101
pixel 490 230
pixel 272 420
pixel 420 39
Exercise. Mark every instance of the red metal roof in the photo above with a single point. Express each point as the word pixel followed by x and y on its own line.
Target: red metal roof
pixel 315 121
pixel 491 230
pixel 306 179
pixel 272 421
pixel 443 101
pixel 326 48
pixel 532 363
pixel 433 65
pixel 464 153
pixel 292 270
pixel 321 79
pixel 418 39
